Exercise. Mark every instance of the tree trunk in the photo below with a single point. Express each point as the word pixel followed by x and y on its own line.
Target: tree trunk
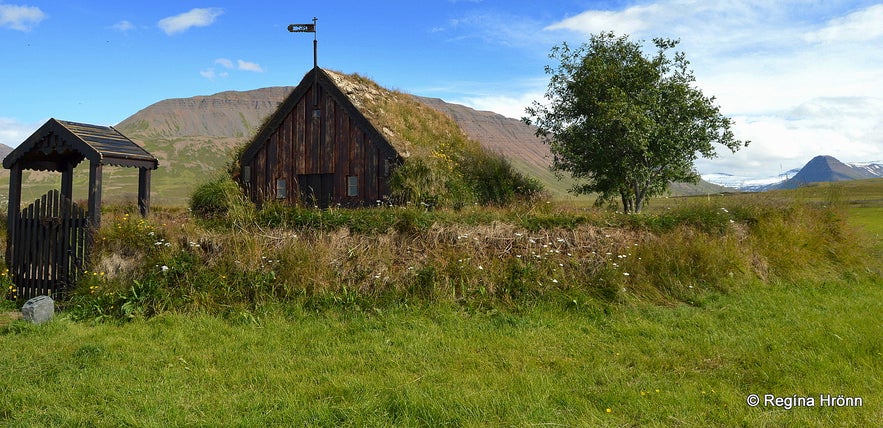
pixel 639 198
pixel 628 203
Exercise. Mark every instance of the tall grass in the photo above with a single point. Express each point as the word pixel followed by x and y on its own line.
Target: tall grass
pixel 477 256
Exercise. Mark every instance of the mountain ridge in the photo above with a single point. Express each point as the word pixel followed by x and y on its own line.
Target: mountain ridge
pixel 819 169
pixel 196 137
pixel 824 168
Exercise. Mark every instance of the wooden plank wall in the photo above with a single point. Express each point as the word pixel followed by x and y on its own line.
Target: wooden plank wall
pixel 333 143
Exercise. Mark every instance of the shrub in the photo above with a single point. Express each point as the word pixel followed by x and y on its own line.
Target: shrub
pixel 219 198
pixel 495 182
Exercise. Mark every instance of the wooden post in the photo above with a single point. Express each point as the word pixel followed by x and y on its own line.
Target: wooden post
pixel 14 209
pixel 67 181
pixel 144 191
pixel 95 169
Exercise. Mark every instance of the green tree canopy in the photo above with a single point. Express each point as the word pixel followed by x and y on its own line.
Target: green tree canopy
pixel 625 123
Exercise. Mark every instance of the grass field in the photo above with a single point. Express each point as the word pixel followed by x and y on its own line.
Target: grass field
pixel 442 366
pixel 690 356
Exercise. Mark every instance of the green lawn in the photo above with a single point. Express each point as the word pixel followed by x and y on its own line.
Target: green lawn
pixel 441 365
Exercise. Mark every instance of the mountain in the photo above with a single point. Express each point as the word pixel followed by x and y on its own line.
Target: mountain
pixel 748 184
pixel 194 138
pixel 512 138
pixel 828 169
pixel 230 114
pixel 4 150
pixel 518 142
pixel 818 170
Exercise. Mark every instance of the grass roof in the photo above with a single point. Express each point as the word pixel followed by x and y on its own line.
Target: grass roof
pixel 413 128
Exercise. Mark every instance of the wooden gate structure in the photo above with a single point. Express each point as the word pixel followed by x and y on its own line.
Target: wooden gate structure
pixel 48 242
pixel 53 245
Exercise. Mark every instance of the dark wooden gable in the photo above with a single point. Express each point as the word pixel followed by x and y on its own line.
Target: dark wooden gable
pixel 318 149
pixel 59 142
pixel 60 146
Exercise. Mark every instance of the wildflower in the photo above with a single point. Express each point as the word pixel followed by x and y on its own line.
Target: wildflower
pixel 625 273
pixel 554 281
pixel 609 410
pixel 480 267
pixel 164 268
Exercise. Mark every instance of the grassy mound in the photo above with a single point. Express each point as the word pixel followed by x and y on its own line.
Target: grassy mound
pixel 484 257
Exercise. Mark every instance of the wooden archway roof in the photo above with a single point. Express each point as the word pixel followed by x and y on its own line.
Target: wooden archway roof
pixel 58 143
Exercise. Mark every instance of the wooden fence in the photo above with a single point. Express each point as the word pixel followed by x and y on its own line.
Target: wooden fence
pixel 51 242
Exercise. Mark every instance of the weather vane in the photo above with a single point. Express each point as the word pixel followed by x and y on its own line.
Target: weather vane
pixel 308 28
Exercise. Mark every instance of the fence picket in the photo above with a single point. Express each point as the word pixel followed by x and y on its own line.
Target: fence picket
pixel 53 240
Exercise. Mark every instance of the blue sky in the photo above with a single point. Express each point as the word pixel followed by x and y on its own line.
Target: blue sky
pixel 799 77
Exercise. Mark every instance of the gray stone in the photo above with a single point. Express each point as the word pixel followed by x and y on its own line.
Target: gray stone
pixel 38 310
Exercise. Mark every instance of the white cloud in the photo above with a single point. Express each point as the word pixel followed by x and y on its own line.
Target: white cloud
pixel 495 29
pixel 13 132
pixel 863 25
pixel 211 74
pixel 799 79
pixel 511 106
pixel 249 66
pixel 193 18
pixel 22 18
pixel 228 64
pixel 628 21
pixel 224 62
pixel 123 26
